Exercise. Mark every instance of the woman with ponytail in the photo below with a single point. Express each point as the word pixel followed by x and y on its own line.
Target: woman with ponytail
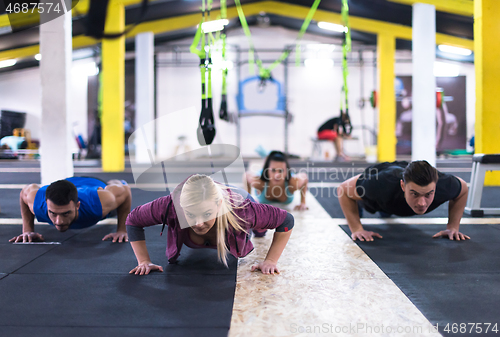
pixel 276 182
pixel 201 213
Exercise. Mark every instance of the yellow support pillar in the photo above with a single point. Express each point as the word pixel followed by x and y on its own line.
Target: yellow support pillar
pixel 113 82
pixel 487 51
pixel 386 53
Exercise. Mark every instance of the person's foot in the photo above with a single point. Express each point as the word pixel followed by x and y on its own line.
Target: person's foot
pixel 258 233
pixel 342 158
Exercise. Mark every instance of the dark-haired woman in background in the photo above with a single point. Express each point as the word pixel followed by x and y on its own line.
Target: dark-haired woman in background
pixel 276 183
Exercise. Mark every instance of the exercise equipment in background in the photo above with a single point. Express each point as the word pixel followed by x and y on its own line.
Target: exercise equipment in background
pixel 206 130
pixel 373 100
pixel 10 120
pixel 265 77
pixel 481 163
pixel 223 102
pixel 440 98
pixel 345 120
pixel 11 143
pixel 281 108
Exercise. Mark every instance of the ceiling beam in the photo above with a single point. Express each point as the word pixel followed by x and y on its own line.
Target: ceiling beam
pixel 459 7
pixel 271 7
pixel 298 12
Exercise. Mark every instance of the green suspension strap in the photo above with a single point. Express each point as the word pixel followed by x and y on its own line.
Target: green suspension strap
pixel 206 130
pixel 265 73
pixel 246 30
pixel 303 29
pixel 223 102
pixel 345 22
pixel 345 120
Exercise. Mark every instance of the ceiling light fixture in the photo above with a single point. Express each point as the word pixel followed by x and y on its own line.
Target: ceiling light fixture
pixel 332 26
pixel 214 26
pixel 454 50
pixel 7 63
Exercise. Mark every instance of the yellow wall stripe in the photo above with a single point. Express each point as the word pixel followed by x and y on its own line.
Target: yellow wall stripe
pixel 486 36
pixel 386 57
pixel 113 99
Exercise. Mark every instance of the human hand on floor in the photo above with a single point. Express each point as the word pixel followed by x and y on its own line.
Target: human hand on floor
pixel 27 237
pixel 452 234
pixel 145 268
pixel 119 236
pixel 301 207
pixel 363 235
pixel 267 267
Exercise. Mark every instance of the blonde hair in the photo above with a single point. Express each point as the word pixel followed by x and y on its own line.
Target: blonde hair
pixel 199 188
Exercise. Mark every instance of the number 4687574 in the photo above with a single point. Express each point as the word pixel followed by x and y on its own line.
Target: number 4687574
pixel 471 328
pixel 33 8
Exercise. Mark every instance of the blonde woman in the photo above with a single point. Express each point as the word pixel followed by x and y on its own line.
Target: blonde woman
pixel 201 213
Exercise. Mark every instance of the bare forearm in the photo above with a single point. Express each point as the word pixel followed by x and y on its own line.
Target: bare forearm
pixel 123 211
pixel 455 211
pixel 351 212
pixel 28 217
pixel 140 251
pixel 280 240
pixel 303 192
pixel 456 207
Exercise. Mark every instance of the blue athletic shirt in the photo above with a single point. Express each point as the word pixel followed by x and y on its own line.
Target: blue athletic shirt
pixel 90 211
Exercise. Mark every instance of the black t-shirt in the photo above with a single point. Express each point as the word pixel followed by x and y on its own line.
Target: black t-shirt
pixel 380 188
pixel 329 124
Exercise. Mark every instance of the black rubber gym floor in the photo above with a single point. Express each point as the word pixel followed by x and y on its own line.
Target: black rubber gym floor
pixel 82 287
pixel 451 283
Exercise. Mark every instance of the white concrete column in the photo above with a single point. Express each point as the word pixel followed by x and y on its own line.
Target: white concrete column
pixel 423 139
pixel 144 98
pixel 56 140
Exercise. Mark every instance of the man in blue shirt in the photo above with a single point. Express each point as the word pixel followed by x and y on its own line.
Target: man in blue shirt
pixel 74 203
